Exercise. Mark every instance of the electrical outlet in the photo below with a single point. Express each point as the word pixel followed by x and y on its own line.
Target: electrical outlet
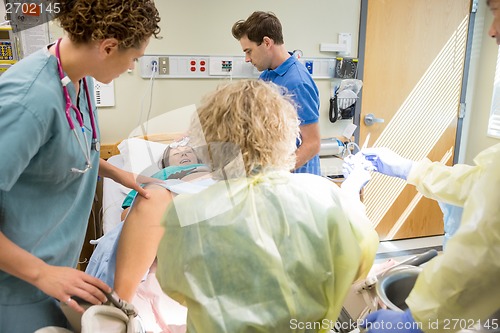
pixel 154 66
pixel 309 66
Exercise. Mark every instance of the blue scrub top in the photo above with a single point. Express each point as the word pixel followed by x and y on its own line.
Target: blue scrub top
pixel 44 207
pixel 164 174
pixel 293 75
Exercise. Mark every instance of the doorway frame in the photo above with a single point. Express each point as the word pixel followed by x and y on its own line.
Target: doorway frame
pixel 463 94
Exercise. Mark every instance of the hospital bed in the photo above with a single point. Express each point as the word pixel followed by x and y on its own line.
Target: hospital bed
pixel 158 312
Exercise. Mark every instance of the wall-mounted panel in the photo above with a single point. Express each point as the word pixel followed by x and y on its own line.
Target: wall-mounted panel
pixel 207 67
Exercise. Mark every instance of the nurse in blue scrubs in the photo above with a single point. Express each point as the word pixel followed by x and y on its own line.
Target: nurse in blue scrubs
pixel 49 140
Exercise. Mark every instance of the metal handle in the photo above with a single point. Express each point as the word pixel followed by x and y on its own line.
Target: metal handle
pixel 370 119
pixel 416 260
pixel 421 258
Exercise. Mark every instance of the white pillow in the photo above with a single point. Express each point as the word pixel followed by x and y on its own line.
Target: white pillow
pixel 141 156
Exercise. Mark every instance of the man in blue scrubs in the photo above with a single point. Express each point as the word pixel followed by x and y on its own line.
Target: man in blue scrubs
pixel 261 38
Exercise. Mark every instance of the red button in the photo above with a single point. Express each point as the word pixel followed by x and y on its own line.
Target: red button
pixel 202 62
pixel 193 62
pixel 202 69
pixel 193 69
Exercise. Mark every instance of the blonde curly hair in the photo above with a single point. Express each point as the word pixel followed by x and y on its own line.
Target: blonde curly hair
pixel 131 22
pixel 253 118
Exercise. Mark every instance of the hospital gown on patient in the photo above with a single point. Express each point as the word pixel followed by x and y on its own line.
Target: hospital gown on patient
pixel 264 254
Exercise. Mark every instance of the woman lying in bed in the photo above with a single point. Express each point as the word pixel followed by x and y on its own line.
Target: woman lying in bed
pixel 117 248
pixel 179 161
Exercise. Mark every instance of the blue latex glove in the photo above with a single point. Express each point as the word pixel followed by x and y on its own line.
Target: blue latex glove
pixel 452 217
pixel 390 321
pixel 388 162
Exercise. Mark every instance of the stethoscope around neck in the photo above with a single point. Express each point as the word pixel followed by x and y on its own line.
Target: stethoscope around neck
pixel 70 106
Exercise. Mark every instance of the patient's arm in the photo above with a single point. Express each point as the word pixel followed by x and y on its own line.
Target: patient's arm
pixel 139 240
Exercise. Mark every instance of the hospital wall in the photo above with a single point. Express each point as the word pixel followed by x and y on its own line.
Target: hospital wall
pixel 200 27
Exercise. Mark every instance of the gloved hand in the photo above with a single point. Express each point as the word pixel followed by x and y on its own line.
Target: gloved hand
pixel 388 162
pixel 356 173
pixel 390 321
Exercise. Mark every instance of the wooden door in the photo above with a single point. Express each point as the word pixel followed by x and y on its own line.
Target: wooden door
pixel 412 72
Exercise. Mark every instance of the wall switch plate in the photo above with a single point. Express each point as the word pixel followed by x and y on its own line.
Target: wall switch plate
pixel 104 94
pixel 163 65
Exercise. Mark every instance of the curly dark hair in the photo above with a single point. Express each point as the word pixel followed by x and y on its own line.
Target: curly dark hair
pixel 131 22
pixel 257 26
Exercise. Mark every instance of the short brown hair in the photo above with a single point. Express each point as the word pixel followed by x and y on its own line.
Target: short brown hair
pixel 131 22
pixel 257 26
